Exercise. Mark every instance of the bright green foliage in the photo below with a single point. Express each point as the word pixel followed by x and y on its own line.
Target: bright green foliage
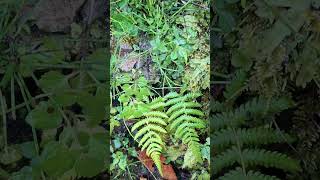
pixel 184 120
pixel 149 129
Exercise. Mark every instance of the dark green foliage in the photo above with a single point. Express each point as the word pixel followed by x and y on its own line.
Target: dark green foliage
pixel 276 45
pixel 235 142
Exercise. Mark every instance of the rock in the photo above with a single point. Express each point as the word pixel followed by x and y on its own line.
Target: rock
pixel 56 15
pixel 92 10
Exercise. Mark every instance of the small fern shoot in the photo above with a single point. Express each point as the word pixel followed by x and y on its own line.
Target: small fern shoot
pixel 149 130
pixel 184 120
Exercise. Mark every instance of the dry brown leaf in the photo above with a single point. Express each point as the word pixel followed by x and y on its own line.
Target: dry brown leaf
pixel 168 172
pixel 147 161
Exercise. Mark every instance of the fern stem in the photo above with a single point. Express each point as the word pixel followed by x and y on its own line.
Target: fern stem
pixel 13 101
pixel 124 122
pixel 240 152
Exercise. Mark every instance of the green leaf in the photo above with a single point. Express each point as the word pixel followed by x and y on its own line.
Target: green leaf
pixel 88 165
pixel 226 20
pixel 56 159
pixel 53 81
pixel 44 116
pixel 93 108
pixel 98 62
pixel 28 149
pixel 66 98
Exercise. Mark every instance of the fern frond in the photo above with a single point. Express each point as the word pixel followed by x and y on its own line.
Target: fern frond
pixel 254 136
pixel 180 112
pixel 185 119
pixel 171 95
pixel 183 105
pixel 237 85
pixel 178 99
pixel 149 129
pixel 147 121
pixel 238 174
pixel 155 114
pixel 255 157
pixel 256 108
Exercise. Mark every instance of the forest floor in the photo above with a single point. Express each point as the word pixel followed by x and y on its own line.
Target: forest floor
pixel 158 48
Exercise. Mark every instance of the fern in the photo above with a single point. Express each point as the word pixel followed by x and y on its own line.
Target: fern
pixel 238 174
pixel 238 144
pixel 237 85
pixel 256 108
pixel 185 119
pixel 252 136
pixel 149 129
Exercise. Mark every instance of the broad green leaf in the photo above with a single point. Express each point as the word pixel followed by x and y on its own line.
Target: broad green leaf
pixel 44 116
pixel 93 107
pixel 53 81
pixel 28 149
pixel 89 166
pixel 66 98
pixel 226 20
pixel 56 159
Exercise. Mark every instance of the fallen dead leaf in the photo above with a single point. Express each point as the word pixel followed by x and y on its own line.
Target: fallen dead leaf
pixel 147 161
pixel 168 172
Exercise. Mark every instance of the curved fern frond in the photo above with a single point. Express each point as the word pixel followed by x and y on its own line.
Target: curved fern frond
pixel 256 108
pixel 237 86
pixel 183 105
pixel 185 119
pixel 149 129
pixel 253 136
pixel 255 157
pixel 238 174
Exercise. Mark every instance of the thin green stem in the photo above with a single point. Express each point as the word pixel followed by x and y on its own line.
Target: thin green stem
pixel 13 99
pixel 4 122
